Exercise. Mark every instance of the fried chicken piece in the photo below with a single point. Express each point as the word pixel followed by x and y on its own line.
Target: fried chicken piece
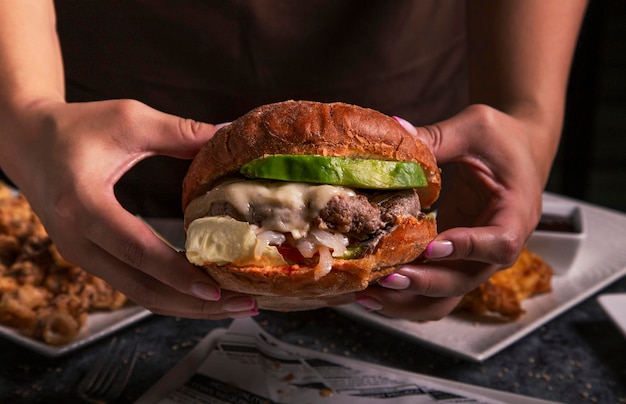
pixel 10 248
pixel 56 327
pixel 37 251
pixel 65 280
pixel 7 284
pixel 18 307
pixel 16 217
pixel 504 292
pixel 27 272
pixel 102 296
pixel 61 321
pixel 5 192
pixel 15 315
pixel 42 295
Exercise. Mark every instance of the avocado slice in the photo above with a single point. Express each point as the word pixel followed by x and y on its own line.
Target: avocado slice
pixel 345 171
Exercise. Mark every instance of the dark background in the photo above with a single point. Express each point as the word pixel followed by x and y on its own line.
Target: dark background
pixel 591 165
pixel 591 162
pixel 591 368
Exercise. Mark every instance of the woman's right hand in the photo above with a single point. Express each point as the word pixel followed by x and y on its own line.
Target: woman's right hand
pixel 66 158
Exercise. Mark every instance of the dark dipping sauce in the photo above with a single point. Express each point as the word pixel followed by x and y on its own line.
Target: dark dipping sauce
pixel 557 223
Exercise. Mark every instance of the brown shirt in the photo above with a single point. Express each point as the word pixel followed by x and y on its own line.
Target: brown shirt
pixel 215 60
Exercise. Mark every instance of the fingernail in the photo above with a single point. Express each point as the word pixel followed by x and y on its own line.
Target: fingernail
pixel 406 125
pixel 395 281
pixel 221 125
pixel 439 249
pixel 239 304
pixel 370 303
pixel 205 291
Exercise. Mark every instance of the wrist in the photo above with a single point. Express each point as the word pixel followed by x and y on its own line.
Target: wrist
pixel 23 122
pixel 18 103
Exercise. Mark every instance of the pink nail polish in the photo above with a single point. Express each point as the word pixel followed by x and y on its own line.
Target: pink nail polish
pixel 370 303
pixel 439 249
pixel 238 304
pixel 395 281
pixel 406 125
pixel 205 291
pixel 221 125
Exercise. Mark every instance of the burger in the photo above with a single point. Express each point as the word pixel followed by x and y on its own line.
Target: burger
pixel 301 202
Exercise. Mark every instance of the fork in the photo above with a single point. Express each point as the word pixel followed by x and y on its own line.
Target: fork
pixel 107 379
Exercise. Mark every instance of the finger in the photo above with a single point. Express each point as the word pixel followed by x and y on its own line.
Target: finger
pixel 402 305
pixel 125 236
pixel 452 139
pixel 488 244
pixel 426 291
pixel 498 242
pixel 444 279
pixel 230 307
pixel 219 126
pixel 406 125
pixel 172 135
pixel 160 298
pixel 432 135
pixel 420 308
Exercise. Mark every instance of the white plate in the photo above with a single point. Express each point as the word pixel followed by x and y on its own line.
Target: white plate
pixel 615 306
pixel 98 326
pixel 601 260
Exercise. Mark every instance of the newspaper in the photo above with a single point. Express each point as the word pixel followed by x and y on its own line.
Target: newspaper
pixel 247 365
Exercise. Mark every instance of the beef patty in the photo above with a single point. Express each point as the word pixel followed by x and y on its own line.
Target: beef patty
pixel 360 217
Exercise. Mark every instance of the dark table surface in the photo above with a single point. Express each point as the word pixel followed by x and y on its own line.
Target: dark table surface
pixel 578 357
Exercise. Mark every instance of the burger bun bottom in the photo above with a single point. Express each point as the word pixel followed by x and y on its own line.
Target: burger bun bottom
pixel 296 288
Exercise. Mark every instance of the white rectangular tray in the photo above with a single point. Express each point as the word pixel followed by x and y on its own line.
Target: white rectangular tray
pixel 600 261
pixel 99 325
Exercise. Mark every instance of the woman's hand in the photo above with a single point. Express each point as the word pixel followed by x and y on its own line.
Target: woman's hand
pixel 496 159
pixel 66 160
pixel 492 177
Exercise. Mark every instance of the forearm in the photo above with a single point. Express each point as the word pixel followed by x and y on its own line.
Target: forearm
pixel 31 66
pixel 520 54
pixel 31 74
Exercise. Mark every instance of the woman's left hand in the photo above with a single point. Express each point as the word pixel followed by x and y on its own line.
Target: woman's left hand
pixel 493 177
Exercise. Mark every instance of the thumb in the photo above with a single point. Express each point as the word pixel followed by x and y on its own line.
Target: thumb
pixel 174 136
pixel 450 139
pixel 447 149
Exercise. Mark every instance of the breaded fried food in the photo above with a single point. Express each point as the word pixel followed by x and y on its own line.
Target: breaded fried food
pixel 16 216
pixel 5 192
pixel 42 295
pixel 19 306
pixel 9 249
pixel 503 293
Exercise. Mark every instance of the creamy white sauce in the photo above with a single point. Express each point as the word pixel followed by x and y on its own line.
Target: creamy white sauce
pixel 293 205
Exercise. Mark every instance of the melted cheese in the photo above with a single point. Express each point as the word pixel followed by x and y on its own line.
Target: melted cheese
pixel 292 205
pixel 222 239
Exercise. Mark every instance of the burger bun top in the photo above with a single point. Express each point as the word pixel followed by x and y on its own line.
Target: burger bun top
pixel 307 127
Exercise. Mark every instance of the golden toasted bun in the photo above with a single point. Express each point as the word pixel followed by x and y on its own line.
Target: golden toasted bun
pixel 296 288
pixel 306 127
pixel 303 127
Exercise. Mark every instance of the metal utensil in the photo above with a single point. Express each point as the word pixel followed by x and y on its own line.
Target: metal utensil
pixel 107 379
